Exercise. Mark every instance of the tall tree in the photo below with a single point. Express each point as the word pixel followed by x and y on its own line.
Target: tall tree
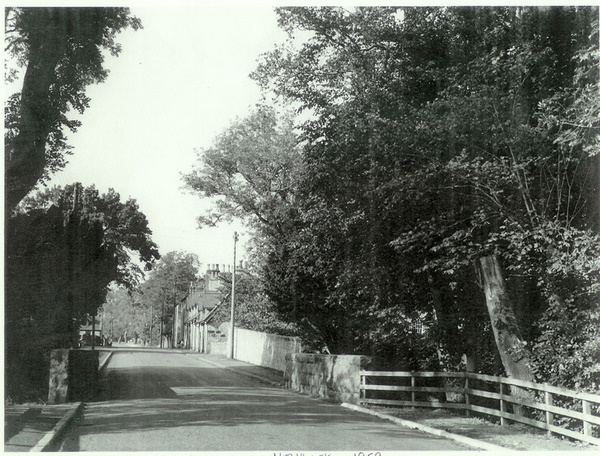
pixel 439 141
pixel 61 49
pixel 250 171
pixel 64 247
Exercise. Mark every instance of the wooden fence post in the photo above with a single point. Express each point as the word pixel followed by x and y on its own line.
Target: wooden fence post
pixel 467 397
pixel 548 400
pixel 502 404
pixel 413 383
pixel 587 411
pixel 363 382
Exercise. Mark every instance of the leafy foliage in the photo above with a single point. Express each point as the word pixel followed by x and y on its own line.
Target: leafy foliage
pixel 125 228
pixel 167 284
pixel 125 316
pixel 253 309
pixel 446 146
pixel 250 171
pixel 61 49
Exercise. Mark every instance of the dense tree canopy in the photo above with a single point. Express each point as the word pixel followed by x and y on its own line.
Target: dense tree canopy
pixel 64 247
pixel 125 229
pixel 100 234
pixel 443 137
pixel 450 172
pixel 254 172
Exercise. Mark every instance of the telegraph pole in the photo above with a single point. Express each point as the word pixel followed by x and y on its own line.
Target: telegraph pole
pixel 151 322
pixel 231 323
pixel 94 329
pixel 162 317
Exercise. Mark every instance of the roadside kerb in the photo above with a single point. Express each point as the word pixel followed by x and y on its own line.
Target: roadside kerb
pixel 51 437
pixel 428 429
pixel 247 374
pixel 105 361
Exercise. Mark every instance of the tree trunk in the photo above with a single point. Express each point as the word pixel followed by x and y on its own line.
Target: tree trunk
pixel 511 347
pixel 27 156
pixel 441 315
pixel 513 353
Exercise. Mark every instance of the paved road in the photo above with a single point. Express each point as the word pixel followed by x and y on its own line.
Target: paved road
pixel 170 401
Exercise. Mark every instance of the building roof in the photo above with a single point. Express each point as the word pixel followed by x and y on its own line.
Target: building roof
pixel 212 313
pixel 204 300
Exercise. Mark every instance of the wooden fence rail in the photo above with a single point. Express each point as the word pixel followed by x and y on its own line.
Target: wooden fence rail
pixel 500 397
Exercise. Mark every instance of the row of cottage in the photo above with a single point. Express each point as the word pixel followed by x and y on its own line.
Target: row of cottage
pixel 195 326
pixel 194 318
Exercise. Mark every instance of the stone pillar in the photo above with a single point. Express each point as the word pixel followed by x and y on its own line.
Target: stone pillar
pixel 73 375
pixel 333 377
pixel 58 388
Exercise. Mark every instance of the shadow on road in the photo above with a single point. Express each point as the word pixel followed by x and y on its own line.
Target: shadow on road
pixel 146 400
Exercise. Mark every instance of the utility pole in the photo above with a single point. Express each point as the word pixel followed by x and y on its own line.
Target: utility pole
pixel 162 317
pixel 151 322
pixel 173 342
pixel 231 324
pixel 94 329
pixel 72 239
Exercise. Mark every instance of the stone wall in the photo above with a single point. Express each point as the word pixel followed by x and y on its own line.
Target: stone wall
pixel 73 375
pixel 262 349
pixel 333 377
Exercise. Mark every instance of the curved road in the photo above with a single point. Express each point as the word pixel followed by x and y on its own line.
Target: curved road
pixel 165 401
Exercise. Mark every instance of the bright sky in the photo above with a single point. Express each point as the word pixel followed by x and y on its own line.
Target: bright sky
pixel 178 83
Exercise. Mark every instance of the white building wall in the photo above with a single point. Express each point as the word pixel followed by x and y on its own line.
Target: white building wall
pixel 264 349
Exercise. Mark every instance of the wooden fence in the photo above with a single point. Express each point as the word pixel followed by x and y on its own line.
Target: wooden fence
pixel 556 410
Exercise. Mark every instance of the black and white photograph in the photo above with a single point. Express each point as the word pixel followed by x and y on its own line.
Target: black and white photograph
pixel 301 229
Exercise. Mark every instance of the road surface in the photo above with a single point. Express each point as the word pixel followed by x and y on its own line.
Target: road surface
pixel 153 401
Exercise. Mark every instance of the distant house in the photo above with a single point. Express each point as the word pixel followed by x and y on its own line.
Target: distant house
pixel 193 313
